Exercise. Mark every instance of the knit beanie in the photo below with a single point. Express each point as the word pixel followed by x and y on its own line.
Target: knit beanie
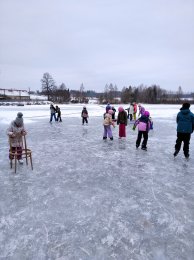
pixel 19 120
pixel 120 109
pixel 185 106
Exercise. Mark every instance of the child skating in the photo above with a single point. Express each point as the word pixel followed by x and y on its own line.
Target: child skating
pixel 58 111
pixel 122 122
pixel 84 116
pixel 143 124
pixel 108 121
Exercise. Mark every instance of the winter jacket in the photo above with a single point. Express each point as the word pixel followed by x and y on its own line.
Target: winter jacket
pixel 131 109
pixel 141 110
pixel 15 133
pixel 135 108
pixel 52 109
pixel 108 120
pixel 185 121
pixel 84 113
pixel 122 118
pixel 143 123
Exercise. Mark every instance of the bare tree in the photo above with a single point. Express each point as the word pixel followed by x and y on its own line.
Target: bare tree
pixel 48 84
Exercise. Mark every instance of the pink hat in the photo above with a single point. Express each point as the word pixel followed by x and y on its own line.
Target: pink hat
pixel 110 111
pixel 120 109
pixel 146 113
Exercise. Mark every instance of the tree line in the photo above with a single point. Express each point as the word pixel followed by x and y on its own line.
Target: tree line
pixel 142 94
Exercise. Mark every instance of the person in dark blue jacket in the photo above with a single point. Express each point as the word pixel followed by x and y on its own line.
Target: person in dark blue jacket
pixel 185 126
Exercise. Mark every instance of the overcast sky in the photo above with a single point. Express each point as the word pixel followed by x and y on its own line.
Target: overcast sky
pixel 124 42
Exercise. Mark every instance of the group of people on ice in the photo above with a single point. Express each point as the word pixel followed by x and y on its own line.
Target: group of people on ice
pixel 144 123
pixel 55 111
pixel 184 119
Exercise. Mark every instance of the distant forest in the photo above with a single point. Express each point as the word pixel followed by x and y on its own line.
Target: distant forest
pixel 144 94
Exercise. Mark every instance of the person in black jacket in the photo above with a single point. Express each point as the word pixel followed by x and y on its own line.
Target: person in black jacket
pixel 84 115
pixel 185 126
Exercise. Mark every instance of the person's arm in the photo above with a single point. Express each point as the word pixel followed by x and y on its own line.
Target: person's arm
pixel 193 121
pixel 135 124
pixel 177 118
pixel 10 131
pixel 118 119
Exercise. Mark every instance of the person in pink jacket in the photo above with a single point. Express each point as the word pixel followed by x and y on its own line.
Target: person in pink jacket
pixel 143 124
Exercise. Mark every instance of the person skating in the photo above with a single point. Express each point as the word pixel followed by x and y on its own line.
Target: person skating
pixel 58 111
pixel 141 110
pixel 108 107
pixel 107 125
pixel 143 124
pixel 131 112
pixel 122 122
pixel 53 111
pixel 84 115
pixel 185 126
pixel 15 132
pixel 113 114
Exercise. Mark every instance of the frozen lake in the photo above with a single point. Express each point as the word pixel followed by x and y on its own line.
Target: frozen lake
pixel 92 199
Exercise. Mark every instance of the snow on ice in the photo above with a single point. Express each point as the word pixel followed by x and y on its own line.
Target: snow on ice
pixel 92 199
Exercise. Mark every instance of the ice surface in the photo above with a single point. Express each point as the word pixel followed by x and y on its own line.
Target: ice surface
pixel 92 199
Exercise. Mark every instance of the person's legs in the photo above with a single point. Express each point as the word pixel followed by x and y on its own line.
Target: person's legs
pixel 105 132
pixel 145 139
pixel 122 132
pixel 134 116
pixel 13 150
pixel 19 153
pixel 109 132
pixel 178 143
pixel 138 141
pixel 186 141
pixel 131 117
pixel 54 116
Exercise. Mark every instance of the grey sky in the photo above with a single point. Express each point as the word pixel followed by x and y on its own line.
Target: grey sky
pixel 124 42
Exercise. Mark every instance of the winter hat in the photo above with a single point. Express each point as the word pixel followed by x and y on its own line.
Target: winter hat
pixel 185 106
pixel 19 120
pixel 120 109
pixel 110 111
pixel 146 113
